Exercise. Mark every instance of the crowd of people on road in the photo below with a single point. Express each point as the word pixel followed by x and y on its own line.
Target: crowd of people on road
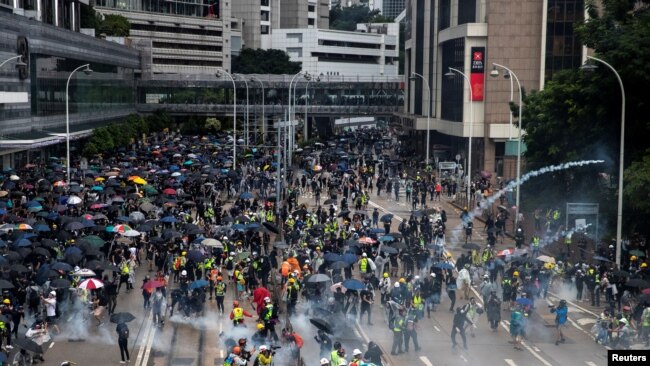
pixel 174 213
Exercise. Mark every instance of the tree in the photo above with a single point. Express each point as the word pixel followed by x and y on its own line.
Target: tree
pixel 261 61
pixel 212 125
pixel 114 26
pixel 347 18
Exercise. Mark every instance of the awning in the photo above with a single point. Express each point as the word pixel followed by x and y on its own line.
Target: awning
pixel 29 140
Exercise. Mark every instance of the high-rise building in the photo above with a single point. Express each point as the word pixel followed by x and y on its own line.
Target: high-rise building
pixel 393 8
pixel 195 37
pixel 534 38
pixel 59 13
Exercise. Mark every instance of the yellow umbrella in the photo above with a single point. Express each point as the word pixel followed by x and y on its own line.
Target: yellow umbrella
pixel 139 180
pixel 100 179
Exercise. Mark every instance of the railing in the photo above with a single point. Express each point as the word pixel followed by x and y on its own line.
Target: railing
pixel 347 110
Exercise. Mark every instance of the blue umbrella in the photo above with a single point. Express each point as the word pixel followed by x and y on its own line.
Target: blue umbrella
pixel 88 223
pixel 42 228
pixel 239 227
pixel 353 284
pixel 198 284
pixel 333 257
pixel 42 274
pixel 97 188
pixel 123 218
pixel 523 301
pixel 246 196
pixel 22 243
pixel 3 211
pixel 253 225
pixel 444 265
pixel 168 219
pixel 189 162
pixel 386 238
pixel 376 230
pixel 71 251
pixel 33 204
pixel 349 258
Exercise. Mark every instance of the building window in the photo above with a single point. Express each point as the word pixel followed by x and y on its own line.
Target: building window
pixel 466 11
pixel 310 21
pixel 311 8
pixel 453 55
pixel 294 51
pixel 563 50
pixel 444 16
pixel 264 29
pixel 294 37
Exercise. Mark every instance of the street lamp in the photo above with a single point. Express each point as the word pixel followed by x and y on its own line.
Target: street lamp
pixel 247 106
pixel 450 74
pixel 621 154
pixel 413 76
pixel 507 75
pixel 19 63
pixel 306 137
pixel 291 114
pixel 253 78
pixel 87 71
pixel 221 72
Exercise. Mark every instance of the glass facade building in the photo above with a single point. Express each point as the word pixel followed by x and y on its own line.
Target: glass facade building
pixel 563 49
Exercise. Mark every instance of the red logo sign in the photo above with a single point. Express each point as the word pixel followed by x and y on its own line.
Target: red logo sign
pixel 478 56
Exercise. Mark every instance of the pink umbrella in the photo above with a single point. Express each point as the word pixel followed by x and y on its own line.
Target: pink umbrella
pixel 91 284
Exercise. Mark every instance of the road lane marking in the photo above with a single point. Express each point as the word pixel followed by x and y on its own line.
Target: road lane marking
pixel 51 345
pixel 586 321
pixel 527 347
pixel 425 361
pixel 510 362
pixel 147 323
pixel 589 363
pixel 436 328
pixel 145 358
pixel 537 349
pixel 463 358
pixel 574 305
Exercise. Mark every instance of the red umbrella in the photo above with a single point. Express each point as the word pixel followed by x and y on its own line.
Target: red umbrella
pixel 91 284
pixel 646 291
pixel 169 191
pixel 152 284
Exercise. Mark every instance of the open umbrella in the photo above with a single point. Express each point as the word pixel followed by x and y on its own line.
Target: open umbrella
pixel 353 284
pixel 599 258
pixel 317 278
pixel 61 266
pixel 546 259
pixel 6 285
pixel 321 325
pixel 246 196
pixel 28 345
pixel 210 242
pixel 349 258
pixel 444 265
pixel 19 268
pixel 123 317
pixel 386 218
pixel 471 246
pixel 280 245
pixel 637 282
pixel 386 238
pixel 389 250
pixel 271 227
pixel 91 284
pixel 151 284
pixel 199 284
pixel 60 283
pixel 339 265
pixel 84 272
pixel 195 256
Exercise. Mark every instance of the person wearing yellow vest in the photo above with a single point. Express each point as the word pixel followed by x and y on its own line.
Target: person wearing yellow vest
pixel 535 245
pixel 237 314
pixel 337 355
pixel 220 289
pixel 398 327
pixel 417 304
pixel 645 325
pixel 364 266
pixel 567 243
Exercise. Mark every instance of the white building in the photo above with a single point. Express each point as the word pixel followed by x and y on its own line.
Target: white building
pixel 370 51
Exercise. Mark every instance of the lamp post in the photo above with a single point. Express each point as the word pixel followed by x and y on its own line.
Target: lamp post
pixel 291 115
pixel 508 75
pixel 253 78
pixel 621 155
pixel 246 132
pixel 19 63
pixel 306 137
pixel 234 116
pixel 413 75
pixel 450 74
pixel 67 117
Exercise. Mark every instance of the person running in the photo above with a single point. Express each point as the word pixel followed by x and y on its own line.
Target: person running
pixel 561 312
pixel 220 293
pixel 237 314
pixel 517 324
pixel 459 322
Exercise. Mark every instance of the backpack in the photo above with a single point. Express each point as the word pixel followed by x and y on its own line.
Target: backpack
pixel 229 360
pixel 124 333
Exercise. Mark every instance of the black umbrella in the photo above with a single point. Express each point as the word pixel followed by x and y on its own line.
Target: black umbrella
pixel 6 285
pixel 271 227
pixel 344 213
pixel 471 246
pixel 398 245
pixel 637 282
pixel 329 201
pixel 60 283
pixel 61 266
pixel 318 277
pixel 386 218
pixel 389 250
pixel 321 325
pixel 339 265
pixel 19 268
pixel 195 256
pixel 124 317
pixel 28 345
pixel 41 251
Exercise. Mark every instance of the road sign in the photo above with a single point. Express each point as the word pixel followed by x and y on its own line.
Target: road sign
pixel 285 124
pixel 446 165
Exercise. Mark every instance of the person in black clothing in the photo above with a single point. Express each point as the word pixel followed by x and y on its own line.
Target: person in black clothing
pixel 325 343
pixel 123 341
pixel 460 318
pixel 373 354
pixel 110 291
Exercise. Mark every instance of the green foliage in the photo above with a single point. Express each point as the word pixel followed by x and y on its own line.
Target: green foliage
pixel 261 61
pixel 637 184
pixel 88 17
pixel 114 26
pixel 346 18
pixel 212 125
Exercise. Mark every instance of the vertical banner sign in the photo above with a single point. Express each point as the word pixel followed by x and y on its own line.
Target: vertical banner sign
pixel 477 73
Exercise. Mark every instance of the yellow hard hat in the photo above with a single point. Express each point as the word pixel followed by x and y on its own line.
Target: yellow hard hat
pixel 291 280
pixel 386 274
pixel 184 253
pixel 402 280
pixel 633 258
pixel 260 326
pixel 644 265
pixel 516 274
pixel 6 301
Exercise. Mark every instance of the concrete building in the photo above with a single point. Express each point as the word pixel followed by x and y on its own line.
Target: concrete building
pixel 370 51
pixel 392 8
pixel 187 38
pixel 59 13
pixel 534 38
pixel 261 17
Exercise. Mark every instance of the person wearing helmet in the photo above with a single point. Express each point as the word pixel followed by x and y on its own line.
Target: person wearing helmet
pixel 220 289
pixel 259 337
pixel 357 357
pixel 264 357
pixel 338 355
pixel 235 358
pixel 324 362
pixel 293 289
pixel 237 314
pixel 325 343
pixel 269 315
pixel 385 288
pixel 561 312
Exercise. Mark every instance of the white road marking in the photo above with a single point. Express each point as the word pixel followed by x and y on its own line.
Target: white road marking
pixel 51 345
pixel 510 362
pixel 463 358
pixel 586 321
pixel 575 305
pixel 145 358
pixel 221 354
pixel 589 363
pixel 147 323
pixel 425 361
pixel 436 328
pixel 527 347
